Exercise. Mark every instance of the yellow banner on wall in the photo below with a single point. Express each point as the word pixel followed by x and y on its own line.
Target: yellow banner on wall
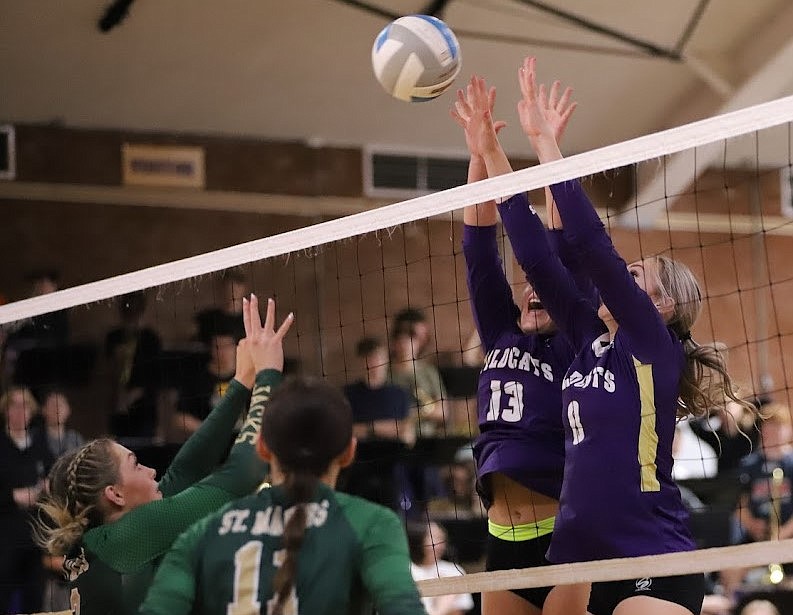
pixel 175 166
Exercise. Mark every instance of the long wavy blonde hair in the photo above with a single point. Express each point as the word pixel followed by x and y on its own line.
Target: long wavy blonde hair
pixel 705 383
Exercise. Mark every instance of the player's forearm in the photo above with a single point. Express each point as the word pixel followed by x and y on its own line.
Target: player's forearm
pixel 496 161
pixel 482 214
pixel 244 469
pixel 546 148
pixel 552 217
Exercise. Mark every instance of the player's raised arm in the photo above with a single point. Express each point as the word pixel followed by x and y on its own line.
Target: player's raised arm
pixel 483 214
pixel 204 450
pixel 555 109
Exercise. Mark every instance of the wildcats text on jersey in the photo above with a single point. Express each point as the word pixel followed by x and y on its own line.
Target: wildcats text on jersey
pixel 515 358
pixel 271 520
pixel 598 378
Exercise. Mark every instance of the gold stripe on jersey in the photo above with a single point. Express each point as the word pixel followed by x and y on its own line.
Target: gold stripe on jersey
pixel 648 437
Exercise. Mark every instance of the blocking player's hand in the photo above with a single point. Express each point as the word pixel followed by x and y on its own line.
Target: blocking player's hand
pixel 264 342
pixel 558 109
pixel 542 115
pixel 245 373
pixel 473 111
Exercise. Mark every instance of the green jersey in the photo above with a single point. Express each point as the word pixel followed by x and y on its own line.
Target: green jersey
pixel 111 569
pixel 354 556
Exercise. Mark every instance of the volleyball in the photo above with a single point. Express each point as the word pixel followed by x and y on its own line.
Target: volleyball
pixel 416 58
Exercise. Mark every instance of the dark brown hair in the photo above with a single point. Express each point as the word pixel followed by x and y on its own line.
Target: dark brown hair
pixel 308 423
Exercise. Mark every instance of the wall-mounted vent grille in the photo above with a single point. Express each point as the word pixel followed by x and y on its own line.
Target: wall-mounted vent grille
pixel 394 174
pixel 7 153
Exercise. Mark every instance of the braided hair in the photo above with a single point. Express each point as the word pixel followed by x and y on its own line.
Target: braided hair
pixel 308 424
pixel 77 481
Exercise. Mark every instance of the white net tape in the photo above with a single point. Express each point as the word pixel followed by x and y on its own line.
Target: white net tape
pixel 668 564
pixel 693 135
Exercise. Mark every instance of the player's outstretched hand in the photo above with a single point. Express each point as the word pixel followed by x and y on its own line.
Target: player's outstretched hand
pixel 473 111
pixel 264 342
pixel 543 114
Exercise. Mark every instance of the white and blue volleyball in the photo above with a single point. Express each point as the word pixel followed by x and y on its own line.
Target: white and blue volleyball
pixel 416 58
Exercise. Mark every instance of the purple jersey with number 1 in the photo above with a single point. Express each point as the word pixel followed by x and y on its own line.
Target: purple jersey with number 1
pixel 519 394
pixel 619 399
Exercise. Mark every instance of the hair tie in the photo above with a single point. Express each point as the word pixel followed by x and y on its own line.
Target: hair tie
pixel 685 336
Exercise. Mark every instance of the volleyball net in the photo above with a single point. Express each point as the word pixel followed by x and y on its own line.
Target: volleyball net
pixel 715 194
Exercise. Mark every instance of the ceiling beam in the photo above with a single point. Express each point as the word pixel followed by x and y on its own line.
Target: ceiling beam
pixel 771 78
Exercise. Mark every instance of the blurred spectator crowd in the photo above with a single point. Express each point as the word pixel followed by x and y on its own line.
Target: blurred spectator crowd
pixel 414 420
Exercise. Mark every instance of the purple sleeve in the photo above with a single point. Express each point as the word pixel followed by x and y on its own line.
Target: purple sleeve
pixel 573 262
pixel 631 307
pixel 570 310
pixel 491 297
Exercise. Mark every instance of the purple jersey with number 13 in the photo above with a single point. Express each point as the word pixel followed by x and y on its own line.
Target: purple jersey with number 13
pixel 519 391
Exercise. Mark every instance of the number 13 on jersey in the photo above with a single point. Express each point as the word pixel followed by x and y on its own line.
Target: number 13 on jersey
pixel 510 394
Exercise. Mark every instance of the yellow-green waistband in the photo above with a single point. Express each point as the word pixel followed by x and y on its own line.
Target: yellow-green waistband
pixel 520 533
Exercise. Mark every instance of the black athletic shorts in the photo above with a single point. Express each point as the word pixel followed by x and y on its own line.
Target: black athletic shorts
pixel 509 555
pixel 687 590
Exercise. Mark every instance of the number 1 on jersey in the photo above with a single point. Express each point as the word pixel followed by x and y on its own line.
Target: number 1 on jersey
pixel 247 563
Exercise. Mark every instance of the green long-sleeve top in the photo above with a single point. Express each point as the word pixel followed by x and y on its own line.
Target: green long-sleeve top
pixel 354 556
pixel 112 568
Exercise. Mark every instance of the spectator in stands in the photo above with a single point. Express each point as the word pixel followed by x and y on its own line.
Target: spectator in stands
pixel 227 316
pixel 384 424
pixel 461 499
pixel 765 509
pixel 413 321
pixel 133 351
pixel 205 388
pixel 731 431
pixel 49 330
pixel 56 410
pixel 379 409
pixel 427 545
pixel 25 460
pixel 421 379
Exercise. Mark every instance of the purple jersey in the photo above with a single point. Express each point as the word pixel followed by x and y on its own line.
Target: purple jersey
pixel 619 400
pixel 519 392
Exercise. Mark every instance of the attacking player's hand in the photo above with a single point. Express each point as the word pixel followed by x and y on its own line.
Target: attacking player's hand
pixel 264 342
pixel 473 111
pixel 245 373
pixel 542 115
